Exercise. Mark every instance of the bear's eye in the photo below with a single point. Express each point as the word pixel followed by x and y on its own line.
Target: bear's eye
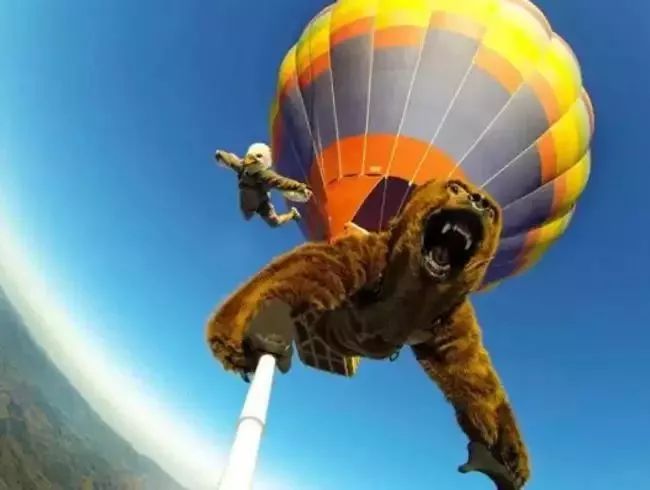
pixel 454 188
pixel 491 213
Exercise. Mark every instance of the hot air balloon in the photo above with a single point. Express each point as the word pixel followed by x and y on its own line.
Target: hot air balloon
pixel 379 96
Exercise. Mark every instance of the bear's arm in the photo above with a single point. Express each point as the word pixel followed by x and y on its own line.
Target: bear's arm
pixel 457 361
pixel 312 278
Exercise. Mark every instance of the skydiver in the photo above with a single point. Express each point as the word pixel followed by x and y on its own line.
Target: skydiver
pixel 256 178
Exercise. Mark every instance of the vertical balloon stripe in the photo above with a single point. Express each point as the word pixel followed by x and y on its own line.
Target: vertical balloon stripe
pixel 305 52
pixel 413 35
pixel 351 41
pixel 297 145
pixel 296 151
pixel 335 115
pixel 289 162
pixel 444 137
pixel 286 75
pixel 296 129
pixel 443 65
pixel 529 211
pixel 477 104
pixel 324 120
pixel 399 25
pixel 323 114
pixel 351 62
pixel 289 165
pixel 391 80
pixel 507 135
pixel 296 119
pixel 525 170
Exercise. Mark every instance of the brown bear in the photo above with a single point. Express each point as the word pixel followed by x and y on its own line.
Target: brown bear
pixel 368 295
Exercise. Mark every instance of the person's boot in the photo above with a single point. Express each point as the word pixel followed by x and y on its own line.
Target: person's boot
pixel 296 214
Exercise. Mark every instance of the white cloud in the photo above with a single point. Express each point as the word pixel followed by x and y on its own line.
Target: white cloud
pixel 122 399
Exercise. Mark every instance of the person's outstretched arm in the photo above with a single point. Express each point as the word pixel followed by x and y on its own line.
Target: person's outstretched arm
pixel 281 183
pixel 229 160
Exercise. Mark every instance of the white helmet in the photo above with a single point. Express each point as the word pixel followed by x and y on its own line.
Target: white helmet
pixel 258 156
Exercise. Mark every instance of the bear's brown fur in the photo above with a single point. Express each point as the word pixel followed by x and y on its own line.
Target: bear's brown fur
pixel 368 295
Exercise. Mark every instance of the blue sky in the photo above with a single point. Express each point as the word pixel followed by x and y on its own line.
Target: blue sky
pixel 110 113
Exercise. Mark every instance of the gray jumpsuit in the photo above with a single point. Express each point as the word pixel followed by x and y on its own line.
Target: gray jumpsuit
pixel 254 187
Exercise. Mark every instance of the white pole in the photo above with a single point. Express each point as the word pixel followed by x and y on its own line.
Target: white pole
pixel 239 471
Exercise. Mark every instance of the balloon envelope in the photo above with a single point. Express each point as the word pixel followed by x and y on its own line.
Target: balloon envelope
pixel 379 96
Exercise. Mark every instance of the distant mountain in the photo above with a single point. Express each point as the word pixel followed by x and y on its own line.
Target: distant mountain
pixel 50 438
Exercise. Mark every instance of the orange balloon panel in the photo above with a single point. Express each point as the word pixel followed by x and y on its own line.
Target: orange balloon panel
pixel 367 178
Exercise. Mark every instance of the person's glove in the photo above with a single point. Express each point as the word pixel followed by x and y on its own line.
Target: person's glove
pixel 307 192
pixel 269 333
pixel 257 344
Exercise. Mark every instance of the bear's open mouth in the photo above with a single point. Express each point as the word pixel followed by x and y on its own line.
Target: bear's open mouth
pixel 450 239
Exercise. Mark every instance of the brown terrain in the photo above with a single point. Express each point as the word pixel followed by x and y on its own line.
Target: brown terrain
pixel 50 438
